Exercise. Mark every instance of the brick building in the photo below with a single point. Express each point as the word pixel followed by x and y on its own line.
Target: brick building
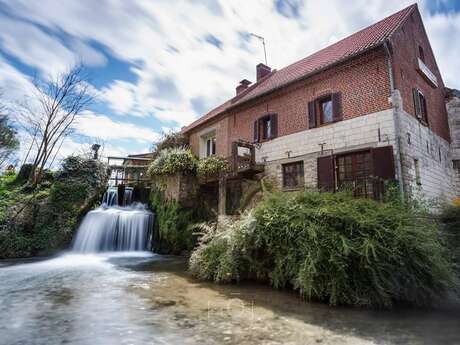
pixel 366 109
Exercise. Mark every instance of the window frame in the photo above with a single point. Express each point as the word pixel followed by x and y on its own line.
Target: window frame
pixel 300 175
pixel 421 54
pixel 210 146
pixel 265 128
pixel 320 110
pixel 422 116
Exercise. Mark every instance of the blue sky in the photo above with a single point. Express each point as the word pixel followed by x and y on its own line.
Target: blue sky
pixel 157 65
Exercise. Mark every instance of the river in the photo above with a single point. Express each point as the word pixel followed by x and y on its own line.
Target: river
pixel 143 298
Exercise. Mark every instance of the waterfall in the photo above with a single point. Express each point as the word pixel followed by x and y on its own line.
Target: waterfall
pixel 115 228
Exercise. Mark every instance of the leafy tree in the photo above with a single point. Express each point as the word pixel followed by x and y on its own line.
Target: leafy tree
pixel 9 142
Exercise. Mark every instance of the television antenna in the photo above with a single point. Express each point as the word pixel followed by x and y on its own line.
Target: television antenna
pixel 260 38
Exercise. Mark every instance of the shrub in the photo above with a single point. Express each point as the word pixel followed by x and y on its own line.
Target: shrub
pixel 450 218
pixel 173 160
pixel 41 220
pixel 334 248
pixel 169 141
pixel 211 166
pixel 173 233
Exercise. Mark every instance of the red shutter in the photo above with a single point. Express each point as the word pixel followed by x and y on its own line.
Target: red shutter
pixel 274 125
pixel 383 160
pixel 417 105
pixel 326 173
pixel 311 114
pixel 337 107
pixel 256 131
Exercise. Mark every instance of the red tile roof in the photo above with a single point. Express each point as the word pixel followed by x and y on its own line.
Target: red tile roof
pixel 348 47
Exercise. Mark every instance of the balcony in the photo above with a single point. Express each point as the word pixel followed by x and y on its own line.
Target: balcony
pixel 427 74
pixel 243 159
pixel 242 163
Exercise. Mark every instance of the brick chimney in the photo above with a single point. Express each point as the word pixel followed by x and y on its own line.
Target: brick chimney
pixel 262 70
pixel 243 86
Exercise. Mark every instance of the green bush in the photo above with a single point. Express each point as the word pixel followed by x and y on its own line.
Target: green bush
pixel 169 141
pixel 450 219
pixel 41 220
pixel 172 223
pixel 334 248
pixel 173 160
pixel 211 166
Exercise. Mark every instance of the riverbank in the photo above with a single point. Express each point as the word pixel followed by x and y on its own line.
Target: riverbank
pixel 143 298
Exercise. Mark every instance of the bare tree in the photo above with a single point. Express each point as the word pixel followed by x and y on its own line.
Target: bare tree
pixel 57 104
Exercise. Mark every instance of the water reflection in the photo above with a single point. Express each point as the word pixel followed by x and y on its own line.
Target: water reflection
pixel 142 298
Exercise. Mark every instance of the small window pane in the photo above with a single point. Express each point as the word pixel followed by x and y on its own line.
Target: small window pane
pixel 293 175
pixel 326 110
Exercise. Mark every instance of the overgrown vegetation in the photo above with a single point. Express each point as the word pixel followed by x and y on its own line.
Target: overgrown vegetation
pixel 212 166
pixel 41 220
pixel 173 231
pixel 9 142
pixel 173 160
pixel 170 141
pixel 450 219
pixel 334 248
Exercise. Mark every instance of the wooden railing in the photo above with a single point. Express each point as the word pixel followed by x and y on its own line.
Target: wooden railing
pixel 244 162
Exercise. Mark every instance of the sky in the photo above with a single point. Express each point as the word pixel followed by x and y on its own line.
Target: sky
pixel 156 65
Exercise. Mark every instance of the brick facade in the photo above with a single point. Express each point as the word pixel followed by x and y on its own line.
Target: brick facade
pixel 405 43
pixel 377 105
pixel 363 83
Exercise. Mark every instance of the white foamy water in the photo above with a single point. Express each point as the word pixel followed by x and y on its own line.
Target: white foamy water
pixel 115 228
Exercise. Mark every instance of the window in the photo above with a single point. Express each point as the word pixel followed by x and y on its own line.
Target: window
pixel 210 146
pixel 421 109
pixel 354 172
pixel 421 54
pixel 266 128
pixel 293 175
pixel 325 110
pixel 456 164
pixel 418 179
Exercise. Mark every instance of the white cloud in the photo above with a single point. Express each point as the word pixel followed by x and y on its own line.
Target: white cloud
pixel 105 128
pixel 174 63
pixel 120 96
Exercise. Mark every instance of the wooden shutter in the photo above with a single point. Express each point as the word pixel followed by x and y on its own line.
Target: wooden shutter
pixel 383 162
pixel 256 131
pixel 326 173
pixel 337 107
pixel 417 105
pixel 311 114
pixel 273 126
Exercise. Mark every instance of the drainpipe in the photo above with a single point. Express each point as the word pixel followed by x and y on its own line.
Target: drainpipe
pixel 396 120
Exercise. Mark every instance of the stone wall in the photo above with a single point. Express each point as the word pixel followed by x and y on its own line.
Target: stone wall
pixel 368 131
pixel 437 178
pixel 180 187
pixel 453 109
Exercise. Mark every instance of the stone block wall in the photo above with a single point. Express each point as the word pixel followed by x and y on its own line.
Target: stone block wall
pixel 437 176
pixel 368 131
pixel 453 109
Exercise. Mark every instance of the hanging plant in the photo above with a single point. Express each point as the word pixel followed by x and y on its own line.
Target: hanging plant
pixel 171 161
pixel 212 166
